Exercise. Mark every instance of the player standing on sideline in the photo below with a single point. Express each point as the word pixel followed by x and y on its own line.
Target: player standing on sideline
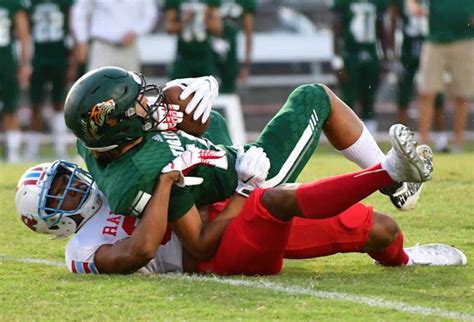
pixel 193 22
pixel 234 13
pixel 358 24
pixel 449 48
pixel 13 25
pixel 414 29
pixel 50 29
pixel 111 29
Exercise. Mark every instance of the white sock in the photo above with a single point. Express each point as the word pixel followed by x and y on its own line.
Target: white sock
pixel 13 139
pixel 32 144
pixel 441 140
pixel 371 126
pixel 364 152
pixel 59 135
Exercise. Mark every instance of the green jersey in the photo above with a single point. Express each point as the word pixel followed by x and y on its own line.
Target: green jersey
pixel 414 28
pixel 133 176
pixel 49 24
pixel 451 20
pixel 193 41
pixel 232 12
pixel 359 21
pixel 8 11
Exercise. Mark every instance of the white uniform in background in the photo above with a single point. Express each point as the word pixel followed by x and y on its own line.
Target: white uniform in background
pixel 105 23
pixel 106 227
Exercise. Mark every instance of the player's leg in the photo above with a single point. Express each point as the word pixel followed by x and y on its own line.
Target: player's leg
pixel 433 62
pixel 405 87
pixel 253 243
pixel 58 126
pixel 292 136
pixel 39 78
pixel 11 125
pixel 440 134
pixel 357 229
pixel 368 85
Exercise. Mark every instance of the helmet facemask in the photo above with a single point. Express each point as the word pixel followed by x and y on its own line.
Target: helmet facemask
pixel 76 181
pixel 154 97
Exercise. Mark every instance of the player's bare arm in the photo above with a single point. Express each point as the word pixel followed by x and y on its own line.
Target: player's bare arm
pixel 130 254
pixel 202 240
pixel 22 31
pixel 248 21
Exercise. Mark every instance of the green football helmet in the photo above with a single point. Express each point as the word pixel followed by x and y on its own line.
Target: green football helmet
pixel 100 107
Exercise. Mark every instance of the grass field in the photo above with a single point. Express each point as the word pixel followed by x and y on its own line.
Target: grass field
pixel 34 284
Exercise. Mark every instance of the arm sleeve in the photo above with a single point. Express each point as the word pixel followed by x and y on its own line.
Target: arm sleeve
pixel 81 14
pixel 149 18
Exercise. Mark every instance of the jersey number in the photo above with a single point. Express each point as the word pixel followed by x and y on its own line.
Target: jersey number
pixel 48 23
pixel 195 29
pixel 363 22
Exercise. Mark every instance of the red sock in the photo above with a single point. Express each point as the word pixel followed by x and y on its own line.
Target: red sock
pixel 393 254
pixel 331 196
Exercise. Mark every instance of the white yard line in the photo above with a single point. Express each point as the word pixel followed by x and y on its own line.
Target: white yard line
pixel 289 290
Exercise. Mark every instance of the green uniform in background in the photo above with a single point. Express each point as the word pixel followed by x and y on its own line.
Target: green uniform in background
pixel 450 20
pixel 225 47
pixel 415 30
pixel 361 62
pixel 194 55
pixel 289 140
pixel 8 60
pixel 49 21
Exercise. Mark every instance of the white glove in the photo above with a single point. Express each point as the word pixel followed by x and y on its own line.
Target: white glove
pixel 205 90
pixel 252 169
pixel 190 159
pixel 168 116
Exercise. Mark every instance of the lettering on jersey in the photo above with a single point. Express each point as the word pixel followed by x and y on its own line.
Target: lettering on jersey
pixel 112 225
pixel 174 143
pixel 157 138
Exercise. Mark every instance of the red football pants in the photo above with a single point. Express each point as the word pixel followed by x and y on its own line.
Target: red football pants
pixel 255 242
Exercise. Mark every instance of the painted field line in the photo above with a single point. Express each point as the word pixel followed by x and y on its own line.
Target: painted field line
pixel 289 290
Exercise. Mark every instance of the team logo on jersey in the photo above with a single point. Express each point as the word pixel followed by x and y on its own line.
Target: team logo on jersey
pixel 97 117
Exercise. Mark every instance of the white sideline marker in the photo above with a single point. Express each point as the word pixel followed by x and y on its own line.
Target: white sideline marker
pixel 290 290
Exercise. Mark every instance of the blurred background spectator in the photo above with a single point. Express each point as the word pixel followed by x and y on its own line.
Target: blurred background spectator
pixel 291 44
pixel 14 70
pixel 449 48
pixel 358 25
pixel 50 29
pixel 110 29
pixel 414 29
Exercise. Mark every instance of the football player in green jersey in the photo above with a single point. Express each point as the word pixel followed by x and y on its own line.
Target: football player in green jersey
pixel 193 22
pixel 358 25
pixel 50 28
pixel 225 47
pixel 125 153
pixel 13 25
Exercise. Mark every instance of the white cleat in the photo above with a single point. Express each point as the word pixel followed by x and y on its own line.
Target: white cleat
pixel 406 161
pixel 406 196
pixel 435 255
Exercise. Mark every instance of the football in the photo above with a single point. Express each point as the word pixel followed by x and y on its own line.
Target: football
pixel 193 127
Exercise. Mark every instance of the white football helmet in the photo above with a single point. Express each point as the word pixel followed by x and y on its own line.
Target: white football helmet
pixel 33 198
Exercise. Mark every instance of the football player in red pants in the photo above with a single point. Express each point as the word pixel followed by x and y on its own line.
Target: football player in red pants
pixel 299 221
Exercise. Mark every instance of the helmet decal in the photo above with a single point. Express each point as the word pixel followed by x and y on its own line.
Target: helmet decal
pixel 97 117
pixel 30 221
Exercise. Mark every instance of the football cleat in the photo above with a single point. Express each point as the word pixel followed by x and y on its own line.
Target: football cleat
pixel 435 255
pixel 405 195
pixel 406 161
